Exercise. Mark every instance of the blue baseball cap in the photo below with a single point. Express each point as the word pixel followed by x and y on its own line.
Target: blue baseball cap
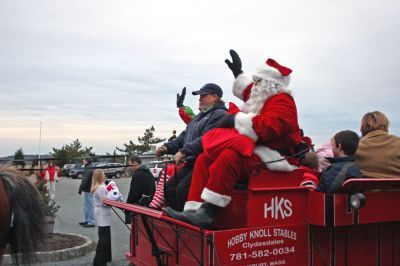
pixel 209 88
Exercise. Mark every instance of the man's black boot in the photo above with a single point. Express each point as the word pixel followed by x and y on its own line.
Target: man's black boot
pixel 176 214
pixel 203 217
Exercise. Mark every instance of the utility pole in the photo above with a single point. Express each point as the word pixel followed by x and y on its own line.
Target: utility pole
pixel 40 143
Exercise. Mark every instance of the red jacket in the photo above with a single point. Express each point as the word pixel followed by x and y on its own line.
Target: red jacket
pixel 50 173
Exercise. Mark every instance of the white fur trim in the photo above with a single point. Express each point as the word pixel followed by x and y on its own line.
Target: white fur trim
pixel 269 73
pixel 244 124
pixel 215 198
pixel 261 91
pixel 192 205
pixel 240 84
pixel 266 155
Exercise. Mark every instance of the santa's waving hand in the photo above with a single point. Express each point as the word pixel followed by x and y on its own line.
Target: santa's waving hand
pixel 236 64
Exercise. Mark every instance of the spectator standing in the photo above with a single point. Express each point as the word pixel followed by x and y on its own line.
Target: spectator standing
pixel 102 215
pixel 344 146
pixel 378 154
pixel 86 184
pixel 51 177
pixel 142 186
pixel 173 135
pixel 38 177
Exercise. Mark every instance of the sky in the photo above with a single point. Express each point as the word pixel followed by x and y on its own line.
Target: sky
pixel 105 71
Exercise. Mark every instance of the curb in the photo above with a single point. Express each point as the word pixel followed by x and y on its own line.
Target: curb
pixel 59 255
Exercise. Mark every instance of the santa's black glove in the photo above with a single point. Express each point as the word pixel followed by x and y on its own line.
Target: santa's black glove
pixel 228 121
pixel 236 64
pixel 180 98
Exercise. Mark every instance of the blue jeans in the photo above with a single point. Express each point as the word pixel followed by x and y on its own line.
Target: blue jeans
pixel 88 211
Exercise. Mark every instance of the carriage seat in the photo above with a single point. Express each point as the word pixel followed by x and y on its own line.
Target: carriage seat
pixel 251 202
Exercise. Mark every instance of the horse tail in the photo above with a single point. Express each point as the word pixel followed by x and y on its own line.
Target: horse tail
pixel 28 217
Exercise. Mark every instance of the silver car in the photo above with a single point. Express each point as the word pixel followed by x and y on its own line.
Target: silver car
pixel 112 170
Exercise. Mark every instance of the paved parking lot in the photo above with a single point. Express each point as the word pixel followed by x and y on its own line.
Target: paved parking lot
pixel 70 215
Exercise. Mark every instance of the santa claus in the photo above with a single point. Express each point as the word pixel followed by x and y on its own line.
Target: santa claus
pixel 269 118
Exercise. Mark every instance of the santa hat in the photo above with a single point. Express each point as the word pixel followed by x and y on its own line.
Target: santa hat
pixel 274 72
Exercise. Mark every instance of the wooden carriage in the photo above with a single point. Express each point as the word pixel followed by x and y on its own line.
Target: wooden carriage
pixel 273 221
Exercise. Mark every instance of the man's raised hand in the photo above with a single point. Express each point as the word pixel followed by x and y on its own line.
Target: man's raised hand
pixel 180 98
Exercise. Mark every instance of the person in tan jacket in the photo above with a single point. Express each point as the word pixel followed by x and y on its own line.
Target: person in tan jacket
pixel 378 153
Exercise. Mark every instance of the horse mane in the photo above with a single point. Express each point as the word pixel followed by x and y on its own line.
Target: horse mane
pixel 28 217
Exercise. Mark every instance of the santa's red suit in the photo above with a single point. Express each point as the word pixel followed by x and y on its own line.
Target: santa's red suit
pixel 269 117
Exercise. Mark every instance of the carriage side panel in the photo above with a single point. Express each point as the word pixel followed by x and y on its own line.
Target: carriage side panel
pixel 273 245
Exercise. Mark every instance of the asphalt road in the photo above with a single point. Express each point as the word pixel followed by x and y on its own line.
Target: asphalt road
pixel 70 215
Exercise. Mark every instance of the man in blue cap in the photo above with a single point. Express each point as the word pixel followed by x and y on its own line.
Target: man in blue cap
pixel 187 145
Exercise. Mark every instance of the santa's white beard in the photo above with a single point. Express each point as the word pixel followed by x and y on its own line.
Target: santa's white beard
pixel 260 92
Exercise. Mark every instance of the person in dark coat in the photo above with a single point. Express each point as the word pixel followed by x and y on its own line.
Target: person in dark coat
pixel 142 188
pixel 187 146
pixel 85 187
pixel 343 167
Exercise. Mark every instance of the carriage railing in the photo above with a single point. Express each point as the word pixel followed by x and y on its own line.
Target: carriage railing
pixel 40 168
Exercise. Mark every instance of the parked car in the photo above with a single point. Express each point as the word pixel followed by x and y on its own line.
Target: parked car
pixel 76 171
pixel 112 169
pixel 66 168
pixel 96 164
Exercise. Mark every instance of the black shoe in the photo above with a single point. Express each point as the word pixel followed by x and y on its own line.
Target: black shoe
pixel 202 218
pixel 88 225
pixel 83 223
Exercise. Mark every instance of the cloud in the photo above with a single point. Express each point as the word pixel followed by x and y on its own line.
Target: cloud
pixel 105 71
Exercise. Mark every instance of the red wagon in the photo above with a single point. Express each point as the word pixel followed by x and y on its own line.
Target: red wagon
pixel 273 221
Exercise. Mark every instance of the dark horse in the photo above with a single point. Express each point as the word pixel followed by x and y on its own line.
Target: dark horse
pixel 22 219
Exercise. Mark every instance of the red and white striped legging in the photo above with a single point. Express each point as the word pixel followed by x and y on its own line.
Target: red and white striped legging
pixel 158 201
